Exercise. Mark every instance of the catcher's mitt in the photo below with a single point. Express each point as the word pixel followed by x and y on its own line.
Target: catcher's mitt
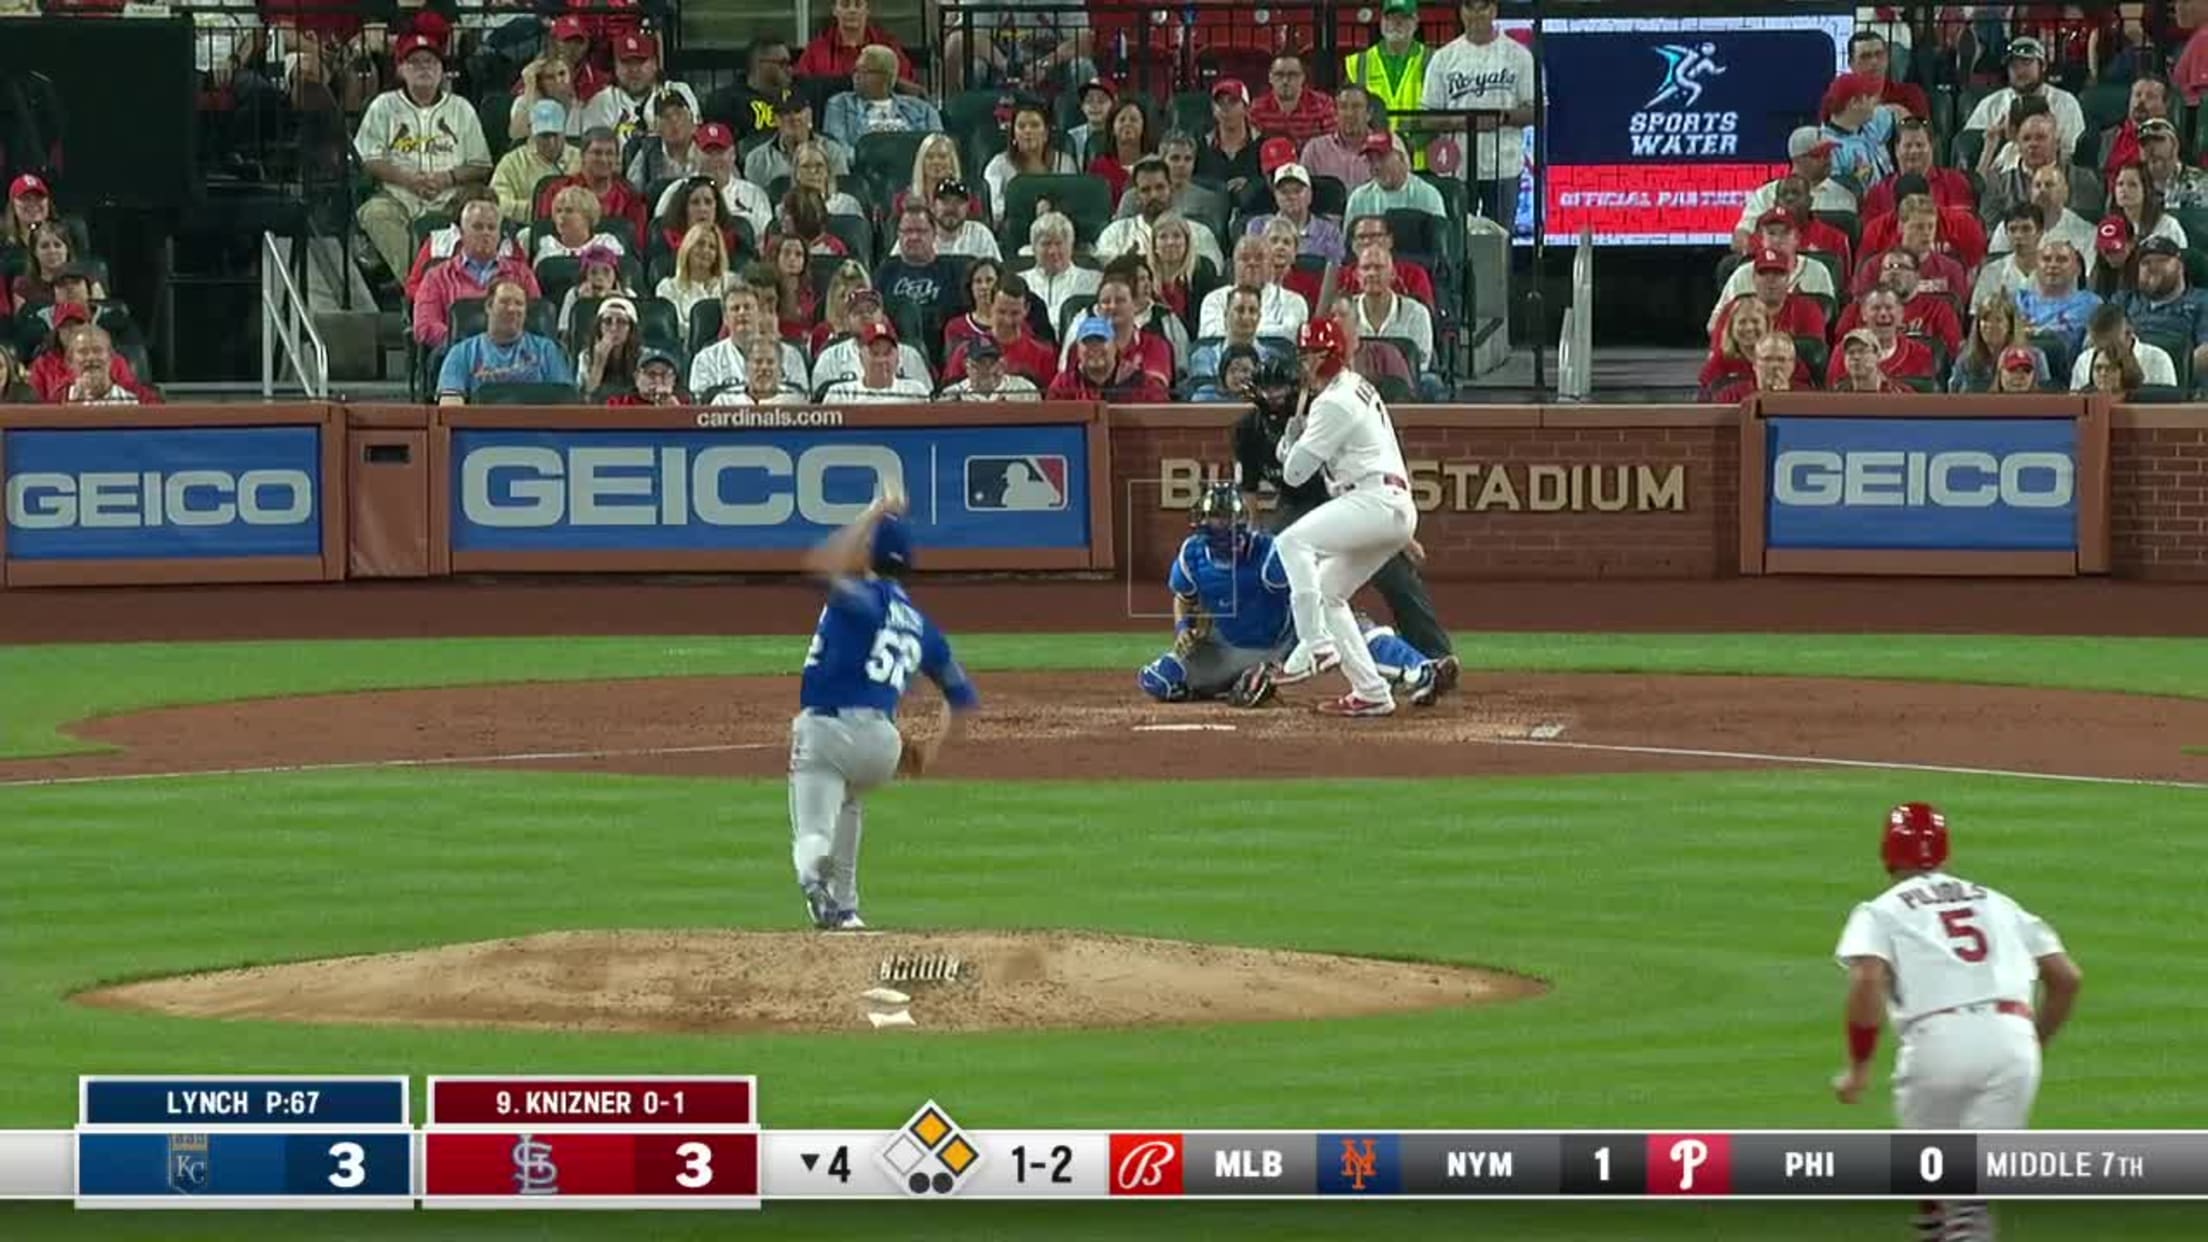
pixel 1254 688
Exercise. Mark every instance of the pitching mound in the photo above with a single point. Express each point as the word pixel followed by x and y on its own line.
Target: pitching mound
pixel 723 982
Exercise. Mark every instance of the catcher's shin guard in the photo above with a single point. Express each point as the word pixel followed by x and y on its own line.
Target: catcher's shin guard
pixel 1164 679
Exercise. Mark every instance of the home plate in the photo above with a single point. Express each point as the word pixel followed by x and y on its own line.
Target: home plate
pixel 1545 732
pixel 1184 728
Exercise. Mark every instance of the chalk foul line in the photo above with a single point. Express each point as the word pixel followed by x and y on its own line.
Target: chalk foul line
pixel 1750 756
pixel 362 765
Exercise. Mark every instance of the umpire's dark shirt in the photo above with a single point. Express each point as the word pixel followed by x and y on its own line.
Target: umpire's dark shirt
pixel 1259 456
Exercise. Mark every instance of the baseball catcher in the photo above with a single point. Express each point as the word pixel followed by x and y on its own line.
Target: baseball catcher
pixel 1231 620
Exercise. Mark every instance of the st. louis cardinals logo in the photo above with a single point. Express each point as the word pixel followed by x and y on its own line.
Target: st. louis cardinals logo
pixel 1147 1164
pixel 1682 66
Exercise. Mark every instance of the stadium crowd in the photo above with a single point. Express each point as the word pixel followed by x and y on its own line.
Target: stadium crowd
pixel 559 218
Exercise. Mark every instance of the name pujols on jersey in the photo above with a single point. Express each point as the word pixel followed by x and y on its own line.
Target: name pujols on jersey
pixel 1940 893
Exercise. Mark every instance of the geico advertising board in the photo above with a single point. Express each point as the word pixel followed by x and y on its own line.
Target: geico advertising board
pixel 127 493
pixel 1969 484
pixel 969 487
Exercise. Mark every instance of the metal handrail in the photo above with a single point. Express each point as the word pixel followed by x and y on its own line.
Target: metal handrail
pixel 1575 354
pixel 285 319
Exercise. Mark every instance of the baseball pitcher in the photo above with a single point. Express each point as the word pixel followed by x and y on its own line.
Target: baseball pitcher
pixel 1231 621
pixel 870 640
pixel 1953 964
pixel 1347 436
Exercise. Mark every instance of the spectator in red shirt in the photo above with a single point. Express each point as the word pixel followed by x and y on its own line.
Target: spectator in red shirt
pixel 1898 356
pixel 51 374
pixel 1936 272
pixel 1292 107
pixel 30 204
pixel 1859 364
pixel 1780 230
pixel 834 53
pixel 1132 345
pixel 1023 354
pixel 601 175
pixel 1342 153
pixel 467 274
pixel 1732 357
pixel 2150 99
pixel 1869 57
pixel 1410 279
pixel 571 43
pixel 1098 374
pixel 1926 316
pixel 655 382
pixel 1913 153
pixel 1956 231
pixel 1778 368
pixel 1126 142
pixel 1788 312
pixel 1813 235
pixel 52 253
pixel 443 243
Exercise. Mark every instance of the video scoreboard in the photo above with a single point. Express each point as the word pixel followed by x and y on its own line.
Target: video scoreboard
pixel 657 1141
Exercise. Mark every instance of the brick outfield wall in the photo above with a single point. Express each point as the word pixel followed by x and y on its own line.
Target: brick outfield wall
pixel 2158 493
pixel 1560 477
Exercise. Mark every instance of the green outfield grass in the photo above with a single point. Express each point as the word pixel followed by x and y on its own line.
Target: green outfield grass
pixel 1685 921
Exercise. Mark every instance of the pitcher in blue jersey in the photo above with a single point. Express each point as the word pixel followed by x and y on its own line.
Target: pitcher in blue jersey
pixel 1231 618
pixel 870 640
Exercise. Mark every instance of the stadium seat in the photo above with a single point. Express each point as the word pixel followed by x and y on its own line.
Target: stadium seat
pixel 2180 350
pixel 2159 394
pixel 1813 353
pixel 857 235
pixel 884 160
pixel 705 326
pixel 556 275
pixel 1845 221
pixel 968 111
pixel 495 111
pixel 2104 105
pixel 1070 312
pixel 1084 199
pixel 659 324
pixel 1192 112
pixel 1417 361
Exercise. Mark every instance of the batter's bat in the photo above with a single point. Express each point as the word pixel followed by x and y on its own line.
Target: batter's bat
pixel 1327 280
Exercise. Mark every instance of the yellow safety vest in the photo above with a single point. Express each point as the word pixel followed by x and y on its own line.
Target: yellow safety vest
pixel 1365 69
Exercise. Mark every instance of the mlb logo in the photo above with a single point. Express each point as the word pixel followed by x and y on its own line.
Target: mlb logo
pixel 1028 484
pixel 1690 1164
pixel 1148 1164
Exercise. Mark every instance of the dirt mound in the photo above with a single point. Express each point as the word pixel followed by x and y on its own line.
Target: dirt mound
pixel 734 982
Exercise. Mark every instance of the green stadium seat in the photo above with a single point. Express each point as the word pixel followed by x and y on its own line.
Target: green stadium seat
pixel 1084 199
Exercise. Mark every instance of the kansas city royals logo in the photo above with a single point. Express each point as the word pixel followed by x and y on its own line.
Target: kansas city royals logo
pixel 188 1167
pixel 1683 67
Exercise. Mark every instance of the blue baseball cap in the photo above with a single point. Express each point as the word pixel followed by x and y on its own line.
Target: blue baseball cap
pixel 1094 328
pixel 547 117
pixel 892 549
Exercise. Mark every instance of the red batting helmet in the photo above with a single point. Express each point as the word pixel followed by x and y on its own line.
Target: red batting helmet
pixel 1324 336
pixel 1915 839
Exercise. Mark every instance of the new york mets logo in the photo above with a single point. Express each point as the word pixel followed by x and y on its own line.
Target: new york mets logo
pixel 1683 67
pixel 1359 1163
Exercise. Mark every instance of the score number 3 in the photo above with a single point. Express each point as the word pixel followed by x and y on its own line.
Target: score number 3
pixel 697 1166
pixel 1966 939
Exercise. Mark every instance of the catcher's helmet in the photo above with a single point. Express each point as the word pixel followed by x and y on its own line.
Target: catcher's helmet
pixel 1324 337
pixel 1273 391
pixel 1222 517
pixel 1915 838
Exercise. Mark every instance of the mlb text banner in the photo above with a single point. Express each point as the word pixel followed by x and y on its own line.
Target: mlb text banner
pixel 1938 485
pixel 171 494
pixel 990 488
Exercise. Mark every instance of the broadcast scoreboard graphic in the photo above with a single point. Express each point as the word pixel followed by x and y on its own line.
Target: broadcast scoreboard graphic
pixel 659 1141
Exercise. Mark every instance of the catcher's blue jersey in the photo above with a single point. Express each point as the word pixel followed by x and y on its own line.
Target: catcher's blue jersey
pixel 870 640
pixel 1246 596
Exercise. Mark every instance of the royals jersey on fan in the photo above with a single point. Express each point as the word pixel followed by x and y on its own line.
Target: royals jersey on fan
pixel 1246 596
pixel 1949 942
pixel 870 640
pixel 1348 430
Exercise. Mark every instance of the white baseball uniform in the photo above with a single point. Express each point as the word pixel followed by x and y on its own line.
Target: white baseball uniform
pixel 1334 549
pixel 1964 962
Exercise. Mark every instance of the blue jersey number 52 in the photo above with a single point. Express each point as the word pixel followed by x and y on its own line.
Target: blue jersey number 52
pixel 896 653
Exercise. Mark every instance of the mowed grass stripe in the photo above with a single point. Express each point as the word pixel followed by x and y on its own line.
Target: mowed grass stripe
pixel 1685 921
pixel 50 686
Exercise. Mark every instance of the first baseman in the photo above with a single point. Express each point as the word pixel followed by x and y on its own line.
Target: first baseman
pixel 870 640
pixel 1953 964
pixel 1231 619
pixel 1348 435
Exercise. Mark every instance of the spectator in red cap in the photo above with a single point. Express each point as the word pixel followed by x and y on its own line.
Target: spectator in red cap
pixel 878 379
pixel 1958 232
pixel 598 170
pixel 1860 364
pixel 1998 340
pixel 1341 154
pixel 1811 154
pixel 1392 187
pixel 1729 373
pixel 1293 107
pixel 1230 152
pixel 1926 316
pixel 1814 236
pixel 2027 61
pixel 30 204
pixel 750 106
pixel 467 274
pixel 629 106
pixel 2113 244
pixel 423 145
pixel 1033 149
pixel 545 79
pixel 1915 155
pixel 1788 312
pixel 570 44
pixel 1861 128
pixel 1031 46
pixel 1124 144
pixel 1803 274
pixel 2019 370
pixel 1098 98
pixel 1869 58
pixel 834 53
pixel 716 162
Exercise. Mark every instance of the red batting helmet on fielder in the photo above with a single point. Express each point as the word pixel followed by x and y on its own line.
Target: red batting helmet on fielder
pixel 1916 838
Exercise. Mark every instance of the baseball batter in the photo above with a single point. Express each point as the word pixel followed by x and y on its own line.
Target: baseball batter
pixel 870 640
pixel 1953 964
pixel 1347 436
pixel 1231 619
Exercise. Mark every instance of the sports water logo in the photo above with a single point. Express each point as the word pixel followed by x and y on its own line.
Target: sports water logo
pixel 534 1172
pixel 1670 125
pixel 1147 1164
